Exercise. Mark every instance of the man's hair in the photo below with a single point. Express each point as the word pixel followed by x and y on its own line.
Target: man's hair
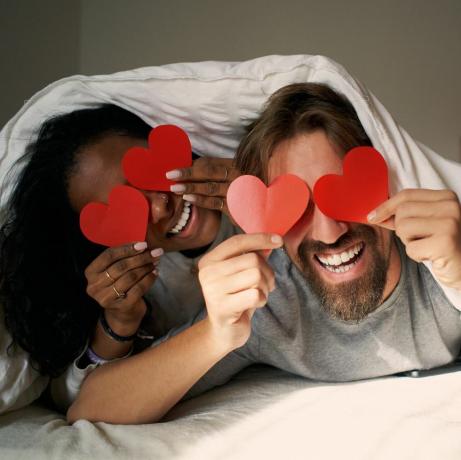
pixel 296 109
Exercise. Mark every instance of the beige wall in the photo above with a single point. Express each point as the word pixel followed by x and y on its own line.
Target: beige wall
pixel 408 52
pixel 39 43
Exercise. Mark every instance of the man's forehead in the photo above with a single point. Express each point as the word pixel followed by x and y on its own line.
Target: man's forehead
pixel 306 155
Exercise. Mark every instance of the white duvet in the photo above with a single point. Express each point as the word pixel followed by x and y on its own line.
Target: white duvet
pixel 265 414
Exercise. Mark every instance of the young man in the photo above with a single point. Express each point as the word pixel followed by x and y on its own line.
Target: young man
pixel 353 301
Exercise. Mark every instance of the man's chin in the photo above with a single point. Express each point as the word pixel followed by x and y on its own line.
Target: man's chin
pixel 350 300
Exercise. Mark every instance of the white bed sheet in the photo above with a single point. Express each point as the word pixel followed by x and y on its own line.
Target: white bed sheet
pixel 268 414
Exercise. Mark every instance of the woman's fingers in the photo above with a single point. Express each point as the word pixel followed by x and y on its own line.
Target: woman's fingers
pixel 124 266
pixel 216 203
pixel 201 188
pixel 206 169
pixel 113 255
pixel 130 287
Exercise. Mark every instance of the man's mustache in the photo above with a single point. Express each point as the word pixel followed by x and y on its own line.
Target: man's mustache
pixel 362 232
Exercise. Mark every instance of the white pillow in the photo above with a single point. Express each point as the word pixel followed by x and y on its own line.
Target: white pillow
pixel 214 101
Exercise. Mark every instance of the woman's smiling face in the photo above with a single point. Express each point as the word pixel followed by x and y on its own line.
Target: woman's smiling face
pixel 174 224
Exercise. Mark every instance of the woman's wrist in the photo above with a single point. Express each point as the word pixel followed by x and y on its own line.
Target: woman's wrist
pixel 123 325
pixel 217 339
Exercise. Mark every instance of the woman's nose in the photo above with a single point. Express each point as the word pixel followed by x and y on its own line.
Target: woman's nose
pixel 325 229
pixel 161 205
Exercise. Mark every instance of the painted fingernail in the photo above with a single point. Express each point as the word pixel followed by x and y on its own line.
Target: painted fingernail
pixel 173 174
pixel 371 216
pixel 178 188
pixel 140 246
pixel 156 252
pixel 191 198
pixel 276 239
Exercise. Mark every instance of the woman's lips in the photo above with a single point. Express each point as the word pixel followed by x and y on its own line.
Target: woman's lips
pixel 189 229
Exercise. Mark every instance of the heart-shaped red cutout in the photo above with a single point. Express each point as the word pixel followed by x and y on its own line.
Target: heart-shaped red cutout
pixel 362 187
pixel 169 148
pixel 274 209
pixel 123 221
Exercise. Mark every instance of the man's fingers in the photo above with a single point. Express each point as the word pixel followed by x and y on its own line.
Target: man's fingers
pixel 240 263
pixel 245 300
pixel 240 244
pixel 389 207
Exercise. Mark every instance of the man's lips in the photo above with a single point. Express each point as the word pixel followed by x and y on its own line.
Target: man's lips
pixel 342 260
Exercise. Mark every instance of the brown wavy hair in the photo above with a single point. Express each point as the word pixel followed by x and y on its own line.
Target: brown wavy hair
pixel 296 109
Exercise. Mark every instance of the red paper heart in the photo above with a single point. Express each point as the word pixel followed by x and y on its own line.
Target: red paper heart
pixel 169 148
pixel 362 187
pixel 274 209
pixel 123 221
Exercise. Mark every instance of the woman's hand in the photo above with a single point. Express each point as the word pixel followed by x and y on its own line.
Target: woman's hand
pixel 118 278
pixel 429 224
pixel 206 182
pixel 236 280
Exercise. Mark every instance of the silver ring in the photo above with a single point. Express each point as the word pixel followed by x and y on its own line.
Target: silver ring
pixel 120 295
pixel 110 277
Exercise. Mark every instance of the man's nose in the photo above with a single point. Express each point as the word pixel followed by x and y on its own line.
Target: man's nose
pixel 161 205
pixel 325 229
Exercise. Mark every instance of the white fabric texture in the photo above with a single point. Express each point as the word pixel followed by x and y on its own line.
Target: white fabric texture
pixel 213 102
pixel 264 414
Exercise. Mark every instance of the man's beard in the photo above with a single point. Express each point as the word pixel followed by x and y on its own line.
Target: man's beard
pixel 350 300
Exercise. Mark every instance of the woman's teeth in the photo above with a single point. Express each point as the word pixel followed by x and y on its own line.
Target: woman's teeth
pixel 183 219
pixel 343 262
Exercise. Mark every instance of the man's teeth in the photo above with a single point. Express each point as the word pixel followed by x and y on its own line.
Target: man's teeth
pixel 183 219
pixel 335 263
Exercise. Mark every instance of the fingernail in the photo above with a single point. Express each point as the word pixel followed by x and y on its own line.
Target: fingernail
pixel 174 174
pixel 371 216
pixel 140 246
pixel 155 272
pixel 276 239
pixel 156 252
pixel 191 198
pixel 178 188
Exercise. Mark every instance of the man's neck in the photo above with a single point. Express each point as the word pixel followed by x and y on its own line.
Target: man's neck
pixel 394 270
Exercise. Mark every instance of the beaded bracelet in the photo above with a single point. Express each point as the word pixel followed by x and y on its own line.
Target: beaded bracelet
pixel 113 335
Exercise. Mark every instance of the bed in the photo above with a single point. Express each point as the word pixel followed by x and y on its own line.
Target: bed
pixel 265 413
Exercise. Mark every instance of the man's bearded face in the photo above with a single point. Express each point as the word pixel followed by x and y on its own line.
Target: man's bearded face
pixel 352 299
pixel 352 267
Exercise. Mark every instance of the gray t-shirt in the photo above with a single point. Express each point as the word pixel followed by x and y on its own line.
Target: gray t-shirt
pixel 415 328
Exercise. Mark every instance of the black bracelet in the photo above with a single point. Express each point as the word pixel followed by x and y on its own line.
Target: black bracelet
pixel 113 335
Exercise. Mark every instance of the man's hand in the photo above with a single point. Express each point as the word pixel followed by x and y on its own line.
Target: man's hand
pixel 429 224
pixel 236 280
pixel 205 183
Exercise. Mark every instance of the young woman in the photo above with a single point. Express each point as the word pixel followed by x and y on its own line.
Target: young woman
pixel 72 304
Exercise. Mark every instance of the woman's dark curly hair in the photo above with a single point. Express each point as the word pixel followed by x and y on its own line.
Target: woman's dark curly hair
pixel 43 254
